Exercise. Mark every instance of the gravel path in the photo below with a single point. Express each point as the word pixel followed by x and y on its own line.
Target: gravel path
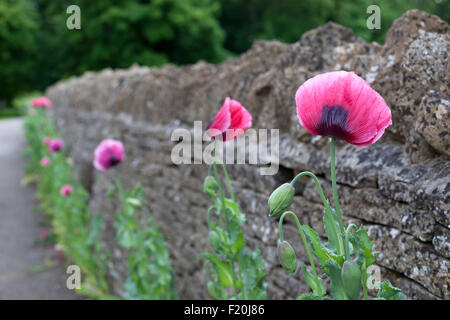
pixel 19 228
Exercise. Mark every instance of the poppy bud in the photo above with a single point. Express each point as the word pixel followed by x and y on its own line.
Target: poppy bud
pixel 210 185
pixel 134 202
pixel 214 240
pixel 280 199
pixel 287 257
pixel 351 278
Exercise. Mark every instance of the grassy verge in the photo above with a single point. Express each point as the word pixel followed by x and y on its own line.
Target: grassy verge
pixel 77 232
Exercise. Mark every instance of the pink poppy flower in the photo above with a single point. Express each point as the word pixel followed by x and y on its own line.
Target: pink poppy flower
pixel 45 161
pixel 47 140
pixel 341 104
pixel 55 145
pixel 66 190
pixel 231 121
pixel 41 102
pixel 44 234
pixel 108 153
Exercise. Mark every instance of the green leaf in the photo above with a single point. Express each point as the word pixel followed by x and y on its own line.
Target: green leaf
pixel 210 186
pixel 216 291
pixel 96 227
pixel 234 219
pixel 233 212
pixel 389 292
pixel 214 241
pixel 310 296
pixel 253 273
pixel 322 253
pixel 110 192
pixel 223 269
pixel 309 278
pixel 364 245
pixel 337 286
pixel 224 247
pixel 238 243
pixel 126 238
pixel 328 224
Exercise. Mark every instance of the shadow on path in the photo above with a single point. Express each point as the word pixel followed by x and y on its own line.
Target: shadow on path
pixel 19 228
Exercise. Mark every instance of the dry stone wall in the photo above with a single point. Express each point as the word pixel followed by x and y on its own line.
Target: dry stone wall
pixel 399 187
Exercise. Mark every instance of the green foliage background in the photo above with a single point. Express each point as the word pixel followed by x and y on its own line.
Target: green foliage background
pixel 36 48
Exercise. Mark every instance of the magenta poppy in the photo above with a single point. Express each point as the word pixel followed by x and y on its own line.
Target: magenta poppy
pixel 342 105
pixel 55 145
pixel 231 121
pixel 44 234
pixel 41 102
pixel 108 153
pixel 45 161
pixel 47 140
pixel 66 190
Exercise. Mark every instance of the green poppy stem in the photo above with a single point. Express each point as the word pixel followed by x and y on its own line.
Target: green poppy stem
pixel 341 246
pixel 227 179
pixel 335 196
pixel 222 200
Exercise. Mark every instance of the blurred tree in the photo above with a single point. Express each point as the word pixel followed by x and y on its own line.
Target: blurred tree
pixel 247 20
pixel 18 27
pixel 117 33
pixel 352 14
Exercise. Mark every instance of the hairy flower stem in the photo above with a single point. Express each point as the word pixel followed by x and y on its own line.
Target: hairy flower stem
pixel 335 196
pixel 341 245
pixel 305 242
pixel 222 200
pixel 208 216
pixel 119 186
pixel 227 179
pixel 365 290
pixel 222 195
pixel 364 280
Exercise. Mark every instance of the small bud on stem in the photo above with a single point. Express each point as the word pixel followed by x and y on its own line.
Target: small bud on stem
pixel 280 199
pixel 287 257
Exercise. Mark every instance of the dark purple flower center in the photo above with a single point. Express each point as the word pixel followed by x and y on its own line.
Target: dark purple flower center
pixel 333 122
pixel 113 160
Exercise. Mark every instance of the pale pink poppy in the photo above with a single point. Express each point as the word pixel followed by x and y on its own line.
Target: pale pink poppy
pixel 47 140
pixel 44 234
pixel 66 190
pixel 41 102
pixel 342 105
pixel 45 161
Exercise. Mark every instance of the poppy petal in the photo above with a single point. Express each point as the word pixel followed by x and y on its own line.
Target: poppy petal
pixel 341 104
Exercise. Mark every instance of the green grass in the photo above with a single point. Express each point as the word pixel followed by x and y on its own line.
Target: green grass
pixel 9 113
